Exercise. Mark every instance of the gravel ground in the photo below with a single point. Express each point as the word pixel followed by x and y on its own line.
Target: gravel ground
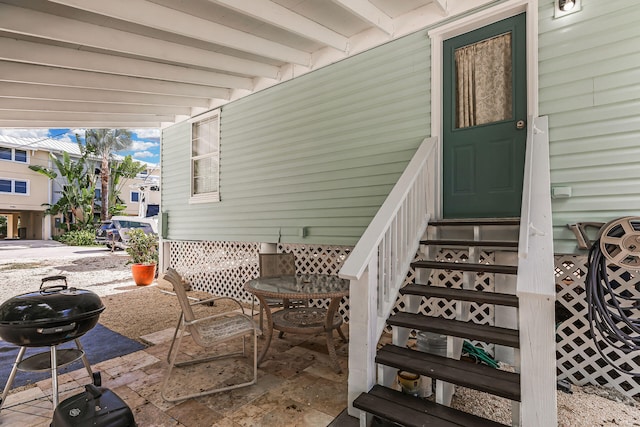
pixel 134 311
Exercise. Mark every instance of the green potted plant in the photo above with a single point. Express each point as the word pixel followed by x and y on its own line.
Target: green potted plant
pixel 143 250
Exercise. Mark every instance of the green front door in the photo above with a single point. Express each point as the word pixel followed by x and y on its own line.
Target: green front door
pixel 484 114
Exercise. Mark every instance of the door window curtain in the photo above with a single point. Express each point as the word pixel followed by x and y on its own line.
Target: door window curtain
pixel 483 82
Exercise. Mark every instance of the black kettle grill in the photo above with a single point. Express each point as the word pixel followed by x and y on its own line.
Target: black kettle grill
pixel 51 316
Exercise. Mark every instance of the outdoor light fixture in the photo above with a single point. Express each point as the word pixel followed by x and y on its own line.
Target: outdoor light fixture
pixel 565 7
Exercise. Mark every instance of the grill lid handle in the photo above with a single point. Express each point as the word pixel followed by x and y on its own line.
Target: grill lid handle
pixel 57 329
pixel 52 278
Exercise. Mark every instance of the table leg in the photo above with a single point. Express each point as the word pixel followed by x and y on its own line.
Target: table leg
pixel 269 329
pixel 333 308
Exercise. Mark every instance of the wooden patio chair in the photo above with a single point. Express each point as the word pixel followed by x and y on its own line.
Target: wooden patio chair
pixel 208 332
pixel 276 265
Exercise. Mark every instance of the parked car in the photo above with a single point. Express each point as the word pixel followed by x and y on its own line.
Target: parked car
pixel 114 234
pixel 101 232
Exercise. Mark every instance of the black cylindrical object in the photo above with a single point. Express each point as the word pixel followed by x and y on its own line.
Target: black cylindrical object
pixel 50 316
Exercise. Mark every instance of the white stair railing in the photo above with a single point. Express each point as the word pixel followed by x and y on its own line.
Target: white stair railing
pixel 378 264
pixel 536 285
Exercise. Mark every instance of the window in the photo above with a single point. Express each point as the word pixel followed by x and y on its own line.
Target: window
pixel 20 187
pixel 15 155
pixel 20 156
pixel 14 186
pixel 135 196
pixel 205 159
pixel 5 153
pixel 97 194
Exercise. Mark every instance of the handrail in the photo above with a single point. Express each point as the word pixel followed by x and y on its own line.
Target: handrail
pixel 525 212
pixel 378 264
pixel 536 235
pixel 365 249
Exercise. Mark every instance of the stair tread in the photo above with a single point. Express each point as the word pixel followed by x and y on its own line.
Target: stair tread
pixel 482 297
pixel 479 377
pixel 457 328
pixel 480 243
pixel 475 221
pixel 467 266
pixel 412 411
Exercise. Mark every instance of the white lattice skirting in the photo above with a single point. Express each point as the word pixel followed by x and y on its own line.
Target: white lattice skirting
pixel 222 268
pixel 578 359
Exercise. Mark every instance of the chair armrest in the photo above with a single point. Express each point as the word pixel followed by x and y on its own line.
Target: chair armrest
pixel 214 299
pixel 215 316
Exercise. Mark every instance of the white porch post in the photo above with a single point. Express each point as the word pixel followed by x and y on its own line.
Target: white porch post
pixel 538 360
pixel 362 346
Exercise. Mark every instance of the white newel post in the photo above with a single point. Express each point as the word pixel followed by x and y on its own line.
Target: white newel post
pixel 362 345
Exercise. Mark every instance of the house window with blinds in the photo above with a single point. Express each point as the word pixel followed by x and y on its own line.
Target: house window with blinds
pixel 205 158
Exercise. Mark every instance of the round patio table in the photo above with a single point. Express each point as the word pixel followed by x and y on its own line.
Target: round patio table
pixel 302 320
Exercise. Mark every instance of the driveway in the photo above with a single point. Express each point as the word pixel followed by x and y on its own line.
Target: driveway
pixel 12 250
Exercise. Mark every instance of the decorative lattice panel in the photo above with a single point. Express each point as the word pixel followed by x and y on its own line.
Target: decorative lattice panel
pixel 453 279
pixel 222 268
pixel 578 359
pixel 439 307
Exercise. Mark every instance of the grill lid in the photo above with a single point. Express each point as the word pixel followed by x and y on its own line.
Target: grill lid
pixel 50 305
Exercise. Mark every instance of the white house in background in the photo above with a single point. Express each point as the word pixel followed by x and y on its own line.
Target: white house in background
pixel 142 193
pixel 24 192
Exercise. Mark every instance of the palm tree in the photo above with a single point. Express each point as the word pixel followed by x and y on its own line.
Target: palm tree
pixel 104 143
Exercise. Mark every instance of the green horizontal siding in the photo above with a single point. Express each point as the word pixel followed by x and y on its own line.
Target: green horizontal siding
pixel 316 155
pixel 590 89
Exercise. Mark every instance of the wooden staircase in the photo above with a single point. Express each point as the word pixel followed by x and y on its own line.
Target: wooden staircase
pixel 388 404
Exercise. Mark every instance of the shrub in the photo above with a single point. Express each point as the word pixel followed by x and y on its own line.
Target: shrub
pixel 78 238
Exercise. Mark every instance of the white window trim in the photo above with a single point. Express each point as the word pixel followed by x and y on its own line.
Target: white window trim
pixel 212 196
pixel 13 187
pixel 131 197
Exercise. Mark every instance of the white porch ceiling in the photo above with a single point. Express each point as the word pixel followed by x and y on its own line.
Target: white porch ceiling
pixel 150 63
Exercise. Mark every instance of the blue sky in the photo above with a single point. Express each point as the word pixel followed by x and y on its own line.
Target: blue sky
pixel 146 142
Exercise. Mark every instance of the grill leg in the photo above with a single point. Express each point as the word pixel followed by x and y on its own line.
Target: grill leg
pixel 12 375
pixel 85 361
pixel 54 376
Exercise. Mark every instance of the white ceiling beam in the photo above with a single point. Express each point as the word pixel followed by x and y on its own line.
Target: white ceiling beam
pixel 75 116
pixel 74 123
pixel 27 73
pixel 88 107
pixel 163 18
pixel 38 24
pixel 55 56
pixel 442 5
pixel 279 16
pixel 65 93
pixel 368 12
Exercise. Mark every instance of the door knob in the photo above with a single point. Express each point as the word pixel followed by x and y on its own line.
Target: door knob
pixel 520 124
